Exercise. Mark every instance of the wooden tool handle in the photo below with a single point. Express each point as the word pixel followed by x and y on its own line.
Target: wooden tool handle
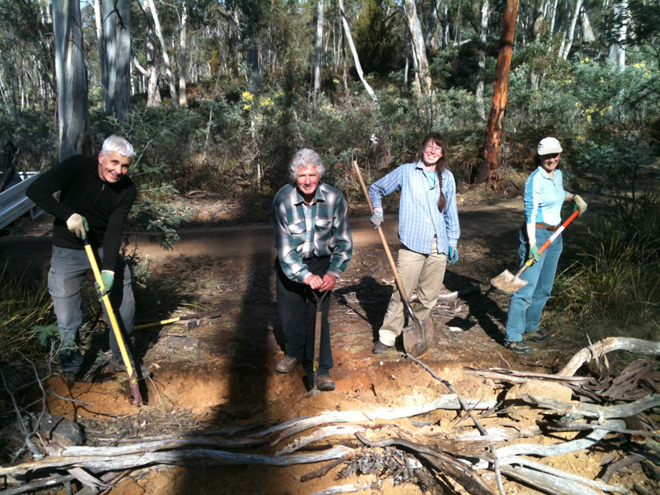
pixel 399 284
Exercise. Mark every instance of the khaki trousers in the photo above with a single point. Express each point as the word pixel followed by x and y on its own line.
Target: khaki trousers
pixel 424 272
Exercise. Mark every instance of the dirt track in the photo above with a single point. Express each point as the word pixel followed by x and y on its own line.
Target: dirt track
pixel 222 372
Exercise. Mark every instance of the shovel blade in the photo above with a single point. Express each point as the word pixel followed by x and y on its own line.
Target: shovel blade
pixel 415 340
pixel 508 283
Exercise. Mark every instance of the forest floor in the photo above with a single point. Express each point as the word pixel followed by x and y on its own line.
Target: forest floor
pixel 223 371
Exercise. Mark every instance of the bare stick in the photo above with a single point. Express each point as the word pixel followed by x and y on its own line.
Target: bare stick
pixel 636 346
pixel 546 482
pixel 37 485
pixel 592 411
pixel 319 473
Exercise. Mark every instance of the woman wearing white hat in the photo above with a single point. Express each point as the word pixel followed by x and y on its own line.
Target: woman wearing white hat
pixel 544 196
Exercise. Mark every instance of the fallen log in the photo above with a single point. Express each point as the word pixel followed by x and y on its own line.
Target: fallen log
pixel 592 411
pixel 636 346
pixel 185 458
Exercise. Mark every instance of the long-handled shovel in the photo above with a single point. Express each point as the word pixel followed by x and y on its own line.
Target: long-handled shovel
pixel 414 336
pixel 132 377
pixel 506 282
pixel 317 340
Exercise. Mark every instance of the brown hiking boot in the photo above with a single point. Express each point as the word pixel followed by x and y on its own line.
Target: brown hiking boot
pixel 286 364
pixel 325 383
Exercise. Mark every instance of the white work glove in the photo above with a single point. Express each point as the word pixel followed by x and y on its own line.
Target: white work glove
pixel 377 217
pixel 78 225
pixel 580 204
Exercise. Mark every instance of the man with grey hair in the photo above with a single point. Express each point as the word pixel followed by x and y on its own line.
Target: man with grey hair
pixel 96 196
pixel 314 245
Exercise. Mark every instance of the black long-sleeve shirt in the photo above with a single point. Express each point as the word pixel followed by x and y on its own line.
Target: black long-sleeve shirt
pixel 104 205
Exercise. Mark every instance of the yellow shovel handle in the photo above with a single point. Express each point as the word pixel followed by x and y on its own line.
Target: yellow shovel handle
pixel 111 315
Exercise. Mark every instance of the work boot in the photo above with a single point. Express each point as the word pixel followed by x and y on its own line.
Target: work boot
pixel 519 347
pixel 286 364
pixel 325 383
pixel 538 337
pixel 380 348
pixel 119 367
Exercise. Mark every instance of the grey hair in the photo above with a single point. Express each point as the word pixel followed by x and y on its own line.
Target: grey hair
pixel 306 158
pixel 119 144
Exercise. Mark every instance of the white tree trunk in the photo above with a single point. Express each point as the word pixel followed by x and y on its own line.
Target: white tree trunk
pixel 356 59
pixel 588 35
pixel 72 103
pixel 166 57
pixel 554 17
pixel 319 43
pixel 617 53
pixel 183 53
pixel 415 28
pixel 483 40
pixel 571 31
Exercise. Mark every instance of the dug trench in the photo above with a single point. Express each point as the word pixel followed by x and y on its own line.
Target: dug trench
pixel 222 371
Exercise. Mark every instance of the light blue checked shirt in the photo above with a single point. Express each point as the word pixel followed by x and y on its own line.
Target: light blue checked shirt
pixel 419 217
pixel 330 235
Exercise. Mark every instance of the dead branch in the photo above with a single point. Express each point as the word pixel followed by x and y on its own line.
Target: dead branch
pixel 321 472
pixel 143 447
pixel 185 458
pixel 523 377
pixel 588 426
pixel 592 411
pixel 557 449
pixel 620 464
pixel 320 434
pixel 562 474
pixel 636 346
pixel 299 425
pixel 347 489
pixel 546 482
pixel 463 474
pixel 37 485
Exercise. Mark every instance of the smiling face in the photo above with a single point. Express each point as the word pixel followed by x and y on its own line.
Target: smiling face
pixel 307 180
pixel 431 153
pixel 113 166
pixel 550 162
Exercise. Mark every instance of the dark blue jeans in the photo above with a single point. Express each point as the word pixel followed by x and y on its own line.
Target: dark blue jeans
pixel 67 274
pixel 527 304
pixel 297 308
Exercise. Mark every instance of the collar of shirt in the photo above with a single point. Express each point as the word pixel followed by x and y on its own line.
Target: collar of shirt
pixel 319 196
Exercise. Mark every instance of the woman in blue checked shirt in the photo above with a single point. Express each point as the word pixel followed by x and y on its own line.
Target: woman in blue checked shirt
pixel 428 230
pixel 544 197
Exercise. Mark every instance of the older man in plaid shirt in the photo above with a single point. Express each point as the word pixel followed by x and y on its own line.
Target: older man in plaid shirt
pixel 314 245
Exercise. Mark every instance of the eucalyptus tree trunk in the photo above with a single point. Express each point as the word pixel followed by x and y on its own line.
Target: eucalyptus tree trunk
pixel 481 71
pixel 319 46
pixel 166 57
pixel 415 28
pixel 445 27
pixel 498 107
pixel 553 19
pixel 588 35
pixel 571 31
pixel 617 53
pixel 356 59
pixel 534 75
pixel 72 103
pixel 116 57
pixel 433 19
pixel 183 53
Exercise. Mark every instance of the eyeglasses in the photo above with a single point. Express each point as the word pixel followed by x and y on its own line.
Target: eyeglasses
pixel 433 151
pixel 550 156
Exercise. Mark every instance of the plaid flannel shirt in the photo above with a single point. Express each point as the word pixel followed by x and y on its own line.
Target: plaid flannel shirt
pixel 419 217
pixel 331 237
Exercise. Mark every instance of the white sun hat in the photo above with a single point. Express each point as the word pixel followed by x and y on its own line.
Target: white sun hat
pixel 549 145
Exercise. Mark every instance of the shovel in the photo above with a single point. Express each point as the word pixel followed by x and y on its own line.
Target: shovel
pixel 317 340
pixel 415 342
pixel 506 282
pixel 132 377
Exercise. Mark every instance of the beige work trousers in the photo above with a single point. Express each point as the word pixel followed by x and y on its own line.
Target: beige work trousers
pixel 424 272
